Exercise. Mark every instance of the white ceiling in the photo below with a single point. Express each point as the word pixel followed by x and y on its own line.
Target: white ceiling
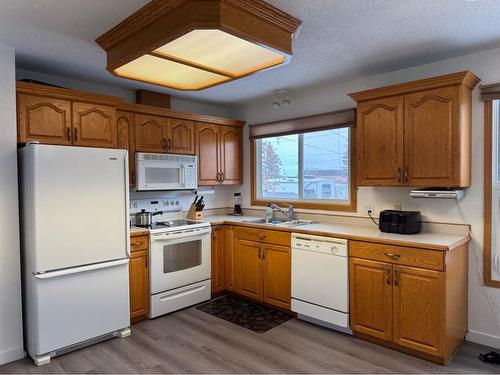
pixel 339 39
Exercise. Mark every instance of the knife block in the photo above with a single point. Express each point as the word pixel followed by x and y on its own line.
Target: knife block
pixel 193 214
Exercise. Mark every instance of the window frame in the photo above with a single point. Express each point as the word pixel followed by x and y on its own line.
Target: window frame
pixel 322 205
pixel 489 158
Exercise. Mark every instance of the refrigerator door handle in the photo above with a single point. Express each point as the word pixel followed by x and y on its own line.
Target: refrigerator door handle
pixel 71 271
pixel 127 208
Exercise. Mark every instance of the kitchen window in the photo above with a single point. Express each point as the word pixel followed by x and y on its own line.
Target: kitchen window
pixel 310 168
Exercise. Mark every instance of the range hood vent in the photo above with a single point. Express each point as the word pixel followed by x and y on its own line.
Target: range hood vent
pixel 439 193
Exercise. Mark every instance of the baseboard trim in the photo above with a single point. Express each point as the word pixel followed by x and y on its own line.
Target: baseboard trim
pixel 10 355
pixel 483 338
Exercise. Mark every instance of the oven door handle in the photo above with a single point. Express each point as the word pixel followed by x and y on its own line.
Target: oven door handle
pixel 175 235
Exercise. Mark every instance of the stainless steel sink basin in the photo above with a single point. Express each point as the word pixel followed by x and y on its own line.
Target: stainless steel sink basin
pixel 263 221
pixel 281 223
pixel 294 223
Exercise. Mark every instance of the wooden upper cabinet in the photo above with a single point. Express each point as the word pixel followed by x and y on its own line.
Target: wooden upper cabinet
pixel 417 133
pixel 370 286
pixel 432 138
pixel 43 119
pixel 231 147
pixel 124 124
pixel 277 275
pixel 380 142
pixel 419 309
pixel 150 133
pixel 208 152
pixel 180 137
pixel 250 269
pixel 125 140
pixel 94 125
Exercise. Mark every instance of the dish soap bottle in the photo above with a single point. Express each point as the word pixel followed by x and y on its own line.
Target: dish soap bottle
pixel 269 213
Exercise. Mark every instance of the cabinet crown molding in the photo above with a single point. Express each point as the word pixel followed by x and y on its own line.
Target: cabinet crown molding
pixel 466 78
pixel 64 93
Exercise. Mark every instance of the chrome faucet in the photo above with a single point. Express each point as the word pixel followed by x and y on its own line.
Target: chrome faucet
pixel 288 213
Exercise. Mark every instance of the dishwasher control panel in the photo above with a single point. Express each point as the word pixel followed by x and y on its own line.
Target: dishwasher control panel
pixel 327 245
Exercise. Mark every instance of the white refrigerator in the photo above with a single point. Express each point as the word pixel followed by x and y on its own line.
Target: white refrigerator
pixel 75 247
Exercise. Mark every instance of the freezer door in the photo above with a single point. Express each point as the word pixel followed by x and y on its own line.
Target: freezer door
pixel 79 206
pixel 77 304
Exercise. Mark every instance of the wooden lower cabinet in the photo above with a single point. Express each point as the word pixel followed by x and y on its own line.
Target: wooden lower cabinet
pixel 250 267
pixel 218 260
pixel 413 309
pixel 230 257
pixel 419 309
pixel 139 277
pixel 263 267
pixel 371 298
pixel 277 275
pixel 253 263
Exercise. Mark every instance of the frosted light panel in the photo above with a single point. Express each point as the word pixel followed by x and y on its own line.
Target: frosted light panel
pixel 168 73
pixel 221 51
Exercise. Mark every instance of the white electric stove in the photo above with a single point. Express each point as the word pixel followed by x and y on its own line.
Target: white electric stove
pixel 180 269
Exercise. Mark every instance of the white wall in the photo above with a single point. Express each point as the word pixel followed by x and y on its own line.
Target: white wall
pixel 176 104
pixel 484 303
pixel 11 331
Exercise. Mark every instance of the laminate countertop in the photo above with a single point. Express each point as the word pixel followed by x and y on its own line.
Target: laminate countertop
pixel 370 233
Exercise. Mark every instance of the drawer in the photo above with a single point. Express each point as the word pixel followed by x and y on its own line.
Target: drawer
pixel 139 243
pixel 407 256
pixel 266 236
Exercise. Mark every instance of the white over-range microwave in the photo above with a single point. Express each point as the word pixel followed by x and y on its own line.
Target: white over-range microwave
pixel 165 172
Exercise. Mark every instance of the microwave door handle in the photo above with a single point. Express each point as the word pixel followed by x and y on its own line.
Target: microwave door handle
pixel 182 175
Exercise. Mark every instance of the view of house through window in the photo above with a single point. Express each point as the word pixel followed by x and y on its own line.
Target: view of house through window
pixel 312 166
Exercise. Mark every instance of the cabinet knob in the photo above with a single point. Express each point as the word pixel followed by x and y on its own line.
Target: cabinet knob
pixel 75 131
pixel 68 133
pixel 399 174
pixel 407 173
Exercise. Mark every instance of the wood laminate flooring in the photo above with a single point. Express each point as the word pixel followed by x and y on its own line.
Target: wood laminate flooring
pixel 191 341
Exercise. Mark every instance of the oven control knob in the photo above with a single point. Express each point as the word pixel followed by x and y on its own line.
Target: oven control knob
pixel 334 249
pixel 176 203
pixel 166 203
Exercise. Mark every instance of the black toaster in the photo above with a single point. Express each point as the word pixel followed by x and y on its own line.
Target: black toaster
pixel 402 222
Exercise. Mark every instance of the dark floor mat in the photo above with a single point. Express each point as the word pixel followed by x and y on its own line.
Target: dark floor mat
pixel 249 315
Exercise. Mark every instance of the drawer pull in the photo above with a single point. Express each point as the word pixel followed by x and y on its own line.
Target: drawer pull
pixel 138 243
pixel 392 256
pixel 262 236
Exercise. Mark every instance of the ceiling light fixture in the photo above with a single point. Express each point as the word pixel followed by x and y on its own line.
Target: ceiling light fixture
pixel 196 44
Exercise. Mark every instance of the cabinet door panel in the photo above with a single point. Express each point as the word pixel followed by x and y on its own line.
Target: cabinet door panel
pixel 218 260
pixel 231 260
pixel 380 142
pixel 250 265
pixel 419 309
pixel 42 119
pixel 207 150
pixel 431 138
pixel 180 136
pixel 231 155
pixel 94 125
pixel 139 284
pixel 150 133
pixel 277 276
pixel 370 286
pixel 125 129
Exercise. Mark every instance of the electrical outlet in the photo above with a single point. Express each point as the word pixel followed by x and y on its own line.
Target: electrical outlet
pixel 364 207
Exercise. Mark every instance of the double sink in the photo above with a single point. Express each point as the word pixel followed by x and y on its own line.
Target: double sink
pixel 280 223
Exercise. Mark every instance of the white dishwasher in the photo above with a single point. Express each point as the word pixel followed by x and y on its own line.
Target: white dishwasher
pixel 320 280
